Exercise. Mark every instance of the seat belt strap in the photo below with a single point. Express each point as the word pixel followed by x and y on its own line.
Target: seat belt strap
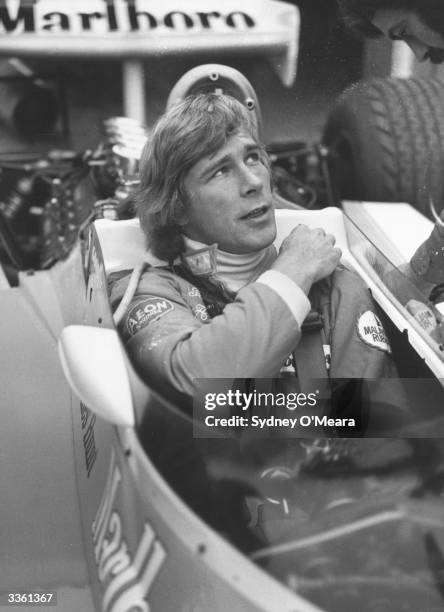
pixel 311 355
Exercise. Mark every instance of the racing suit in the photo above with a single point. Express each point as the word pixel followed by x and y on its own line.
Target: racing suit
pixel 182 326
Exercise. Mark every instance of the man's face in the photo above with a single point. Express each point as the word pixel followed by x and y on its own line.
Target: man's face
pixel 230 199
pixel 403 24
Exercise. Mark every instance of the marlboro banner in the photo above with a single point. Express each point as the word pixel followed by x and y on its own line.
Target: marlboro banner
pixel 149 28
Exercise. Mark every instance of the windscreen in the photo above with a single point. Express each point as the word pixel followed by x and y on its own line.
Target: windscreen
pixel 415 297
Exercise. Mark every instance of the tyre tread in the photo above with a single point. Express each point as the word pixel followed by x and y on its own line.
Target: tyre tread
pixel 395 131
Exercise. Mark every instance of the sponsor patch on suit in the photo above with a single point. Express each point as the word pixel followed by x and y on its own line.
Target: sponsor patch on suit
pixel 371 331
pixel 146 311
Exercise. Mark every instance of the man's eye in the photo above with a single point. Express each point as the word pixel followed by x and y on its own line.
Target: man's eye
pixel 219 172
pixel 253 157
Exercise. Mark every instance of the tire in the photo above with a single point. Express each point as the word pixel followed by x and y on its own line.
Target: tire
pixel 386 139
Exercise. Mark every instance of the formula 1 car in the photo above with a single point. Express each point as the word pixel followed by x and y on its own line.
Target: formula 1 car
pixel 114 500
pixel 143 515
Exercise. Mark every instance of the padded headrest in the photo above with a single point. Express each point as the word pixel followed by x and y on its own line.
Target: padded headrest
pixel 123 243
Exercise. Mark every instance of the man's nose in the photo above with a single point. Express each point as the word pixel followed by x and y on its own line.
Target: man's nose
pixel 419 49
pixel 251 180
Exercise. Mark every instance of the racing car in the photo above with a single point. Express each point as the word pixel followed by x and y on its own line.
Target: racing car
pixel 114 500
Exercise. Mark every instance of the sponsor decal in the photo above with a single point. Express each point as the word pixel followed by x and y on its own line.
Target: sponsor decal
pixel 88 420
pixel 95 273
pixel 202 262
pixel 200 312
pixel 145 311
pixel 126 578
pixel 423 314
pixel 370 330
pixel 85 246
pixel 105 16
pixel 194 292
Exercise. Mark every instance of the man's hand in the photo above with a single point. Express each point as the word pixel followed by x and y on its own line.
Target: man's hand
pixel 307 255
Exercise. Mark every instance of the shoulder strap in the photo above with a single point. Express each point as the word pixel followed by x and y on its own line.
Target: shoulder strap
pixel 310 355
pixel 214 294
pixel 129 292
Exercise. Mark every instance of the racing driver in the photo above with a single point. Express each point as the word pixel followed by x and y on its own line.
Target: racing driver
pixel 221 302
pixel 420 23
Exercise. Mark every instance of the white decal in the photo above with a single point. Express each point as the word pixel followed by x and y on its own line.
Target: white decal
pixel 194 292
pixel 200 312
pixel 423 314
pixel 370 330
pixel 126 581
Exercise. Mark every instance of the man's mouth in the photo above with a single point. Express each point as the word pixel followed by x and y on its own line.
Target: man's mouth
pixel 256 213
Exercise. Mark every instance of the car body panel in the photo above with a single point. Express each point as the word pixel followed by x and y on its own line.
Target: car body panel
pixel 41 538
pixel 159 550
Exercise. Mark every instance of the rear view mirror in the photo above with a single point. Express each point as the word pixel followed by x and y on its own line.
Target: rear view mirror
pixel 95 366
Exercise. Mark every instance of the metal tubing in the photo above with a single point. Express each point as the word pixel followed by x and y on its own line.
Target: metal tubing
pixel 133 81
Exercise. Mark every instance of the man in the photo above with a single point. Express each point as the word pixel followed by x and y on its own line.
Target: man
pixel 223 303
pixel 420 23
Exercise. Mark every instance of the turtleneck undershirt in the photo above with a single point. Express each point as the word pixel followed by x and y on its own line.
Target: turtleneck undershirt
pixel 237 270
